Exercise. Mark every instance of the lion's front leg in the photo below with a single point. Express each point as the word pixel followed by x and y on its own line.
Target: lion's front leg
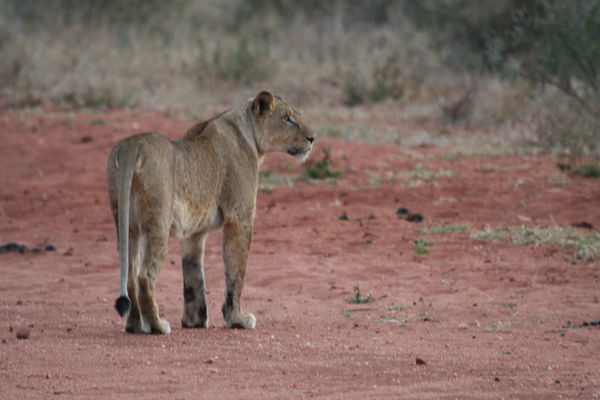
pixel 194 309
pixel 236 245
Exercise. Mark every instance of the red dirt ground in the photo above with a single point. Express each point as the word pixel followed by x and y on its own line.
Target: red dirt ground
pixel 489 319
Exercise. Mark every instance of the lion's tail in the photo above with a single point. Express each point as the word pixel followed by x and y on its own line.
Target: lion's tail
pixel 126 164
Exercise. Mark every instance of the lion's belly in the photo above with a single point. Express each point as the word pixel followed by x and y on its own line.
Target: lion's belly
pixel 188 220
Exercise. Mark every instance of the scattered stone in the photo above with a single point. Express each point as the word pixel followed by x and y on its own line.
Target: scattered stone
pixel 402 211
pixel 13 247
pixel 416 218
pixel 343 217
pixel 497 379
pixel 590 323
pixel 209 361
pixel 87 139
pixel 21 248
pixel 23 333
pixel 4 340
pixel 582 224
pixel 420 361
pixel 557 382
pixel 570 325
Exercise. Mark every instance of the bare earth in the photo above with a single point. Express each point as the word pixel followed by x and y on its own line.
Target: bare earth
pixel 471 319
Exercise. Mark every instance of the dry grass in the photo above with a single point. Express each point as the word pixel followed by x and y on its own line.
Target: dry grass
pixel 200 56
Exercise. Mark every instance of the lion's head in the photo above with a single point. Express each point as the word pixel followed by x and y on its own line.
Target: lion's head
pixel 279 127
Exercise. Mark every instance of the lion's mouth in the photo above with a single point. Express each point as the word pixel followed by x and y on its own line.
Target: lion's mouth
pixel 300 154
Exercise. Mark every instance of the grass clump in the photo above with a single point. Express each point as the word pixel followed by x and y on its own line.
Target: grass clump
pixel 490 233
pixel 420 176
pixel 444 229
pixel 584 246
pixel 268 180
pixel 421 246
pixel 589 170
pixel 359 298
pixel 321 169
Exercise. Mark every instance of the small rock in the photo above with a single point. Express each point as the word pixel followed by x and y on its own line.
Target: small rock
pixel 557 382
pixel 209 361
pixel 343 217
pixel 4 340
pixel 49 248
pixel 497 379
pixel 13 247
pixel 416 218
pixel 402 211
pixel 420 361
pixel 23 333
pixel 582 224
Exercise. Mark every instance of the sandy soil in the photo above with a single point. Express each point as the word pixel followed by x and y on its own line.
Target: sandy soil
pixel 471 319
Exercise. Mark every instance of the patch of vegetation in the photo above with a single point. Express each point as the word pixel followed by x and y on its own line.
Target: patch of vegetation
pixel 384 83
pixel 443 229
pixel 420 176
pixel 397 308
pixel 490 233
pixel 421 246
pixel 97 122
pixel 584 246
pixel 321 169
pixel 359 298
pixel 589 170
pixel 268 180
pixel 510 305
pixel 245 62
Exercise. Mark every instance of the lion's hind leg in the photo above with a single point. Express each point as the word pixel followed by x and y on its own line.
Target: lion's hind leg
pixel 194 309
pixel 155 250
pixel 135 322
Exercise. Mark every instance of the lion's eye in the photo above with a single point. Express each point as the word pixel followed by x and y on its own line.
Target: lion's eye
pixel 288 119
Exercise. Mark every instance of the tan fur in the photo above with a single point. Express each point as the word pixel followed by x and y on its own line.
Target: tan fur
pixel 208 179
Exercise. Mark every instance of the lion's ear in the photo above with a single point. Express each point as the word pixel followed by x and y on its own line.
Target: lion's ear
pixel 264 102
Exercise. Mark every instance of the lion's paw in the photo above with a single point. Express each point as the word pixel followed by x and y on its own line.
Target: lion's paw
pixel 244 320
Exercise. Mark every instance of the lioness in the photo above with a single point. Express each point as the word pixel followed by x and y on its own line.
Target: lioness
pixel 186 188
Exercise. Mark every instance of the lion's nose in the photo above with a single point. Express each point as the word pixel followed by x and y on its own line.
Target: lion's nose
pixel 310 139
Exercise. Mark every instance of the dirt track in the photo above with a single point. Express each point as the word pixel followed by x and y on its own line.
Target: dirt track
pixel 487 317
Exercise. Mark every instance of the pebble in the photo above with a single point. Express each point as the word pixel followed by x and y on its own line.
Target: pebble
pixel 23 333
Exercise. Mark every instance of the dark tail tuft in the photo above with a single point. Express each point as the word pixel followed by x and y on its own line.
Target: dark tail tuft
pixel 122 305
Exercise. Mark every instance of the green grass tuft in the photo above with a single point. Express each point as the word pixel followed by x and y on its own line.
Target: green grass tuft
pixel 358 297
pixel 321 169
